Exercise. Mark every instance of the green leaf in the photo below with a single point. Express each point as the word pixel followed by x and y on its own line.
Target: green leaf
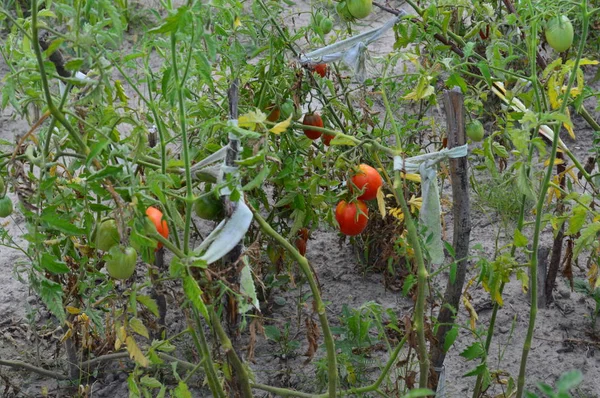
pixel 51 294
pixel 52 264
pixel 455 80
pixel 577 220
pixel 149 303
pixel 138 326
pixel 258 180
pixel 519 240
pixel 171 22
pixel 95 151
pixel 419 392
pixel 194 294
pixel 341 140
pixel 182 391
pixel 473 351
pixel 61 223
pixel 450 337
pixel 108 171
pixel 587 235
pixel 74 64
pixel 150 382
pixel 569 380
pixel 272 333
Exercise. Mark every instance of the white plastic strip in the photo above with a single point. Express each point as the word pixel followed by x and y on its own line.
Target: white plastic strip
pixel 429 215
pixel 352 50
pixel 226 235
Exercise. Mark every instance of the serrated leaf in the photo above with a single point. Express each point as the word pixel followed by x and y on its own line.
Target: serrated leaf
pixel 520 240
pixel 53 265
pixel 51 294
pixel 171 22
pixel 149 303
pixel 258 180
pixel 138 326
pixel 247 289
pixel 150 382
pixel 251 119
pixel 342 140
pixel 577 220
pixel 135 353
pixel 61 223
pixel 450 337
pixel 473 351
pixel 281 126
pixel 194 294
pixel 182 391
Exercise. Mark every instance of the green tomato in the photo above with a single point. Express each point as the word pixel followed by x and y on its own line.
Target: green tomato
pixel 317 18
pixel 209 207
pixel 475 130
pixel 343 12
pixel 6 207
pixel 559 33
pixel 121 261
pixel 326 25
pixel 360 8
pixel 107 235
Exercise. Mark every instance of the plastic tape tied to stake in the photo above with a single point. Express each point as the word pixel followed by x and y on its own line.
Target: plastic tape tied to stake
pixel 425 165
pixel 352 50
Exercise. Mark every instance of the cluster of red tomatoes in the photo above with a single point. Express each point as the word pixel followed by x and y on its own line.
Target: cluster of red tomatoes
pixel 353 217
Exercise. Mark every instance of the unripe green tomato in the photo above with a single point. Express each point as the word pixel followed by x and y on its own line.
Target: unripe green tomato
pixel 209 207
pixel 6 207
pixel 121 261
pixel 343 12
pixel 559 33
pixel 107 235
pixel 326 25
pixel 475 130
pixel 360 8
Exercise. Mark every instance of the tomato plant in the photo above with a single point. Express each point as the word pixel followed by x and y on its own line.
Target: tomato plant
pixel 352 217
pixel 121 261
pixel 312 119
pixel 368 180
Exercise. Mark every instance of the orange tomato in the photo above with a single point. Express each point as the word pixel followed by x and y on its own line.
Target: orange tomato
pixel 156 216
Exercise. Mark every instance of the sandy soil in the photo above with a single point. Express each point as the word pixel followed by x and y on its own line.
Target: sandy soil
pixel 25 333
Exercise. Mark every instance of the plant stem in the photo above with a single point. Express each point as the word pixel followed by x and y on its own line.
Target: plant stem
pixel 185 147
pixel 305 267
pixel 209 367
pixel 240 373
pixel 422 275
pixel 540 208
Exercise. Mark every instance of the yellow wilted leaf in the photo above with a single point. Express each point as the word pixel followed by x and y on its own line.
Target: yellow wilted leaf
pixel 135 353
pixel 415 203
pixel 556 162
pixel 68 334
pixel 381 202
pixel 396 212
pixel 423 90
pixel 281 126
pixel 72 310
pixel 569 126
pixel 412 177
pixel 138 326
pixel 251 119
pixel 472 313
pixel 554 90
pixel 121 337
pixel 592 276
pixel 237 22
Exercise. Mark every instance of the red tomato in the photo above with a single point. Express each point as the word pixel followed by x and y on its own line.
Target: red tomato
pixel 351 223
pixel 301 246
pixel 367 178
pixel 320 69
pixel 156 216
pixel 312 119
pixel 327 139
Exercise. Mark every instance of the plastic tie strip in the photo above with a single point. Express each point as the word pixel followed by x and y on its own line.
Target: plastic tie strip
pixel 425 165
pixel 352 50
